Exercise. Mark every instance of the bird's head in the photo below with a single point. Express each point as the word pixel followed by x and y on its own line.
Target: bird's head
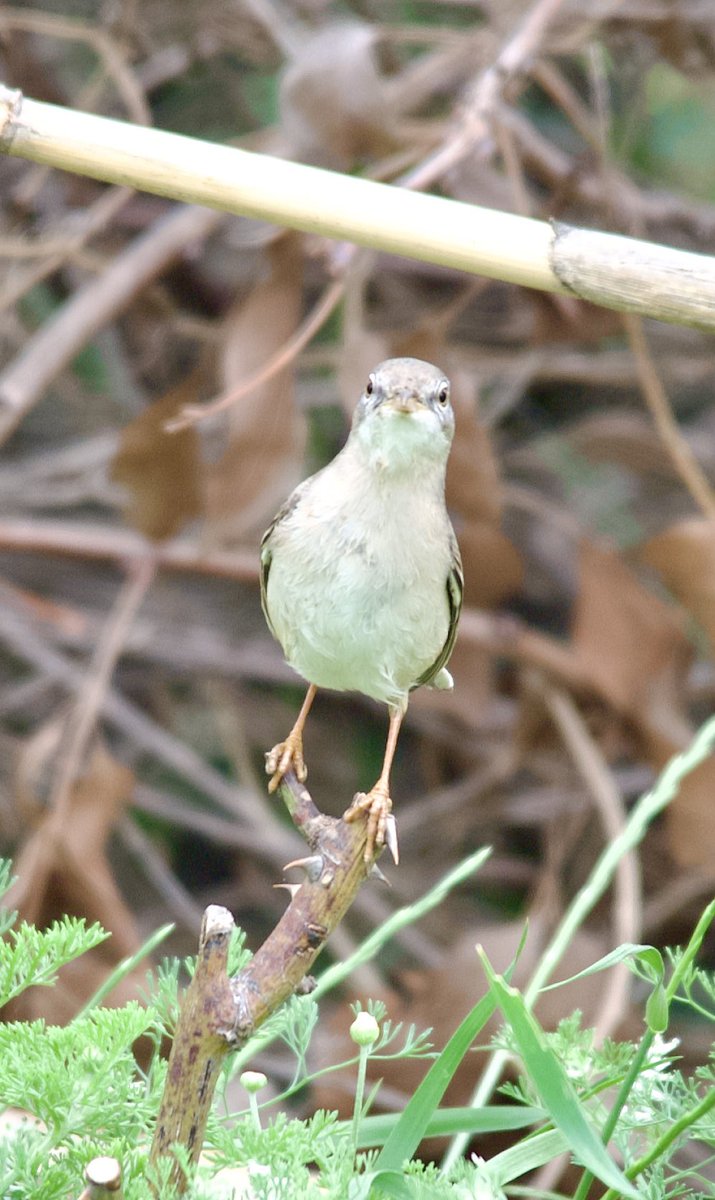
pixel 404 417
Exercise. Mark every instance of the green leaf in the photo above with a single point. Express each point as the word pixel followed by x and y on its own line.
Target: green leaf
pixel 651 958
pixel 394 1185
pixel 495 1118
pixel 410 1129
pixel 555 1088
pixel 527 1155
pixel 657 1009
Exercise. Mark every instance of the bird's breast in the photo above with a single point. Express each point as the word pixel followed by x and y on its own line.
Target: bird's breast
pixel 357 591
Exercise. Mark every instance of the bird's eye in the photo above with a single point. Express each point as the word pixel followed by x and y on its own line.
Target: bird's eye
pixel 443 395
pixel 370 386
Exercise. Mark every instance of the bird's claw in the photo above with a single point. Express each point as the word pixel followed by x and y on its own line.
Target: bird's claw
pixel 286 756
pixel 381 825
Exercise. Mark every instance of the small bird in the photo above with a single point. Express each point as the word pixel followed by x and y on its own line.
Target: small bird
pixel 361 578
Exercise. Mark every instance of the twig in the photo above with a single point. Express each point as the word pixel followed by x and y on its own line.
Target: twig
pixel 22 635
pixel 560 91
pixel 202 1039
pixel 505 636
pixel 59 250
pixel 51 25
pixel 152 863
pixel 191 413
pixel 209 825
pixel 511 638
pixel 473 130
pixel 74 740
pixel 104 1179
pixel 248 827
pixel 95 541
pixel 219 1014
pixel 627 902
pixel 60 338
pixel 83 717
pixel 684 461
pixel 561 171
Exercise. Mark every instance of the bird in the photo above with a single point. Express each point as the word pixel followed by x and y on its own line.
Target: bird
pixel 361 576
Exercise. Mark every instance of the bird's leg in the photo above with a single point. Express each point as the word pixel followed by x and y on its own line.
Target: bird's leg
pixel 377 803
pixel 288 755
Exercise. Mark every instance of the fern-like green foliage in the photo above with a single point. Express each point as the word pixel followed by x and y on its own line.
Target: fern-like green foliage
pixel 77 1090
pixel 32 957
pixel 80 1093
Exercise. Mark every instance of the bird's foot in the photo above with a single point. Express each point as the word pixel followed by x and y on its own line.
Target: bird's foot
pixel 381 825
pixel 286 756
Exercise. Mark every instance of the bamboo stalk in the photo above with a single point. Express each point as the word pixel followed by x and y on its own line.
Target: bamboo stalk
pixel 617 272
pixel 281 192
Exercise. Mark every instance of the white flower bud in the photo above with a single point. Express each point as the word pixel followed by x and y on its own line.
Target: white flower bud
pixel 364 1029
pixel 253 1081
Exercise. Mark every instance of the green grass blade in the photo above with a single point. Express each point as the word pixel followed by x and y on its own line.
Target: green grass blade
pixel 407 915
pixel 125 967
pixel 623 953
pixel 390 1185
pixel 414 1120
pixel 494 1118
pixel 527 1155
pixel 555 1088
pixel 410 1128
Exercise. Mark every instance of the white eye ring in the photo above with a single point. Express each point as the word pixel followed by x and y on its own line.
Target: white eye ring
pixel 443 394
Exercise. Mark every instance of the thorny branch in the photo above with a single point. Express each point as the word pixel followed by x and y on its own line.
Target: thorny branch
pixel 219 1013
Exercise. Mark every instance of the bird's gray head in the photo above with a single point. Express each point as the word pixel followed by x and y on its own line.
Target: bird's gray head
pixel 404 417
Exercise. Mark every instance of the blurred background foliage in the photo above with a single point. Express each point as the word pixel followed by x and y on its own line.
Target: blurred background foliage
pixel 139 687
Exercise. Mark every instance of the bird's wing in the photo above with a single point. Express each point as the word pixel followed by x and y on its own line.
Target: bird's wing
pixel 455 591
pixel 266 555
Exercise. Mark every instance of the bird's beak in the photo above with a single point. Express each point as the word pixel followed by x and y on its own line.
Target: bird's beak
pixel 404 402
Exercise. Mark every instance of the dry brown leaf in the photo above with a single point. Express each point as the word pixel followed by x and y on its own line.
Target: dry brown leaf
pixel 633 648
pixel 493 569
pixel 629 642
pixel 473 481
pixel 265 434
pixel 684 557
pixel 161 472
pixel 559 319
pixel 689 818
pixel 63 868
